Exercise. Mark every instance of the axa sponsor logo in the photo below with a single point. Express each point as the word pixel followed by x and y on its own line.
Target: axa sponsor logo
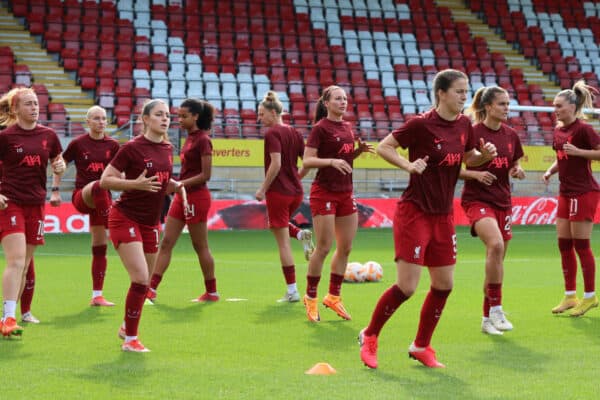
pixel 95 167
pixel 32 160
pixel 346 148
pixel 562 155
pixel 163 176
pixel 451 159
pixel 499 162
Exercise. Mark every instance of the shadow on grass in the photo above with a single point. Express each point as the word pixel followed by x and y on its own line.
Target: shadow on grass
pixel 279 312
pixel 88 315
pixel 127 371
pixel 509 354
pixel 13 349
pixel 184 313
pixel 438 383
pixel 589 325
pixel 332 333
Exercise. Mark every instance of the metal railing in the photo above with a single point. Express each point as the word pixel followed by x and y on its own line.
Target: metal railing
pixel 366 129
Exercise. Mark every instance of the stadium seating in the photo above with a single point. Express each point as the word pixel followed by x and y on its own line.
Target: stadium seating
pixel 560 37
pixel 7 60
pixel 18 75
pixel 384 53
pixel 384 63
pixel 90 40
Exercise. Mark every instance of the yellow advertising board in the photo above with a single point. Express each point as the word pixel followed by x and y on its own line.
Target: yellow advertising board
pixel 539 158
pixel 249 153
pixel 237 153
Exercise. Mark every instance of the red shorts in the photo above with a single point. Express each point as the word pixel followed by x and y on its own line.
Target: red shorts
pixel 124 230
pixel 578 208
pixel 424 239
pixel 27 219
pixel 280 208
pixel 79 204
pixel 324 202
pixel 476 211
pixel 199 203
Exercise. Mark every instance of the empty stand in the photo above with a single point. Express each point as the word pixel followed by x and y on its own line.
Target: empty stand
pixel 384 54
pixel 559 37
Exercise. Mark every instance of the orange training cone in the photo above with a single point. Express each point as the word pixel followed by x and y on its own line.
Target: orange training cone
pixel 321 368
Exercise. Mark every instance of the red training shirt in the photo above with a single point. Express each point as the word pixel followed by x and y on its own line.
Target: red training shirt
pixel 575 173
pixel 509 149
pixel 289 143
pixel 445 142
pixel 91 157
pixel 25 155
pixel 196 146
pixel 134 156
pixel 333 139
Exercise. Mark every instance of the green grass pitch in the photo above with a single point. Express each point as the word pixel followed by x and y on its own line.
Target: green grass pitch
pixel 259 349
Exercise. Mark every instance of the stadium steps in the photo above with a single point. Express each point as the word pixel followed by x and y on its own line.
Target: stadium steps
pixel 496 44
pixel 44 68
pixel 513 58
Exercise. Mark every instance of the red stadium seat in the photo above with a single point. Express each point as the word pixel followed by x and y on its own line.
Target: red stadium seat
pixel 87 82
pixel 360 95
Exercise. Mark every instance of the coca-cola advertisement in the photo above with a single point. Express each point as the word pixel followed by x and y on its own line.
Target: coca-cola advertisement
pixel 372 213
pixel 534 210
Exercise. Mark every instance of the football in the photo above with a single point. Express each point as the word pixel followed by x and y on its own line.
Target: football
pixel 355 272
pixel 373 271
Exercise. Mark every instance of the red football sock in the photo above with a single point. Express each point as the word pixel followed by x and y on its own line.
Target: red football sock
pixel 289 272
pixel 293 230
pixel 494 294
pixel 389 301
pixel 335 284
pixel 430 315
pixel 210 285
pixel 588 264
pixel 312 283
pixel 486 306
pixel 155 281
pixel 98 266
pixel 569 263
pixel 101 198
pixel 136 295
pixel 27 295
